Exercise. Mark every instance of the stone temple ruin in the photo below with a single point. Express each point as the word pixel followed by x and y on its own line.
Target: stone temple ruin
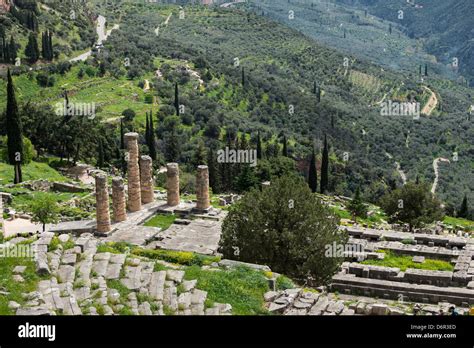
pixel 81 273
pixel 141 190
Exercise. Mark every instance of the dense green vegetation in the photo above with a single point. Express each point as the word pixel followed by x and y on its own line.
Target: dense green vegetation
pixel 297 229
pixel 69 23
pixel 442 25
pixel 230 91
pixel 413 204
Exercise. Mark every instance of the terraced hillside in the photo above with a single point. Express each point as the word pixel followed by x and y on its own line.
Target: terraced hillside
pixel 226 84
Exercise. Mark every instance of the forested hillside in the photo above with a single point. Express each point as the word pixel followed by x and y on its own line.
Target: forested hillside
pixel 214 77
pixel 444 26
pixel 70 26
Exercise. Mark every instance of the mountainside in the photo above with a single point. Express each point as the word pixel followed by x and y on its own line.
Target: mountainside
pixel 228 88
pixel 70 24
pixel 282 72
pixel 444 27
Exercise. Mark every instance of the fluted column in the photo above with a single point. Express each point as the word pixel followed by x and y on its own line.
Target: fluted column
pixel 172 183
pixel 133 170
pixel 146 179
pixel 119 202
pixel 202 188
pixel 102 204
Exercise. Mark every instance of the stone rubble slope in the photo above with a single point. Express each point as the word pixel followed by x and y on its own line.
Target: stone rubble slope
pixel 79 278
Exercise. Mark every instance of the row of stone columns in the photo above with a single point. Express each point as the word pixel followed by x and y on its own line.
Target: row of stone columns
pixel 202 186
pixel 141 187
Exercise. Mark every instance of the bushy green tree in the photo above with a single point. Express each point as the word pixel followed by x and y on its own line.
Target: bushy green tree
pixel 357 206
pixel 45 209
pixel 285 227
pixel 413 204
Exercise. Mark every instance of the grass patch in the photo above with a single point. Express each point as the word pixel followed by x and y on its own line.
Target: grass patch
pixel 114 248
pixel 179 257
pixel 55 242
pixel 404 262
pixel 241 287
pixel 162 221
pixel 283 283
pixel 466 224
pixel 15 289
pixel 117 285
pixel 30 171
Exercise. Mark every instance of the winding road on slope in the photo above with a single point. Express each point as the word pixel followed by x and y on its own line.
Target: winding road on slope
pixel 102 37
pixel 229 4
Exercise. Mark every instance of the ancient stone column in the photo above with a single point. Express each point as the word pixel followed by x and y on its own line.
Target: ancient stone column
pixel 202 188
pixel 146 179
pixel 119 202
pixel 102 203
pixel 172 184
pixel 134 191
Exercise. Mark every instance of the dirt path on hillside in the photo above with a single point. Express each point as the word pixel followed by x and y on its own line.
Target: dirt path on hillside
pixel 401 173
pixel 102 37
pixel 431 104
pixel 436 171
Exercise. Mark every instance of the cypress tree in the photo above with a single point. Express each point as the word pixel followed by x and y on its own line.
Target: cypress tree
pixel 50 46
pixel 12 50
pixel 463 210
pixel 100 155
pixel 285 146
pixel 243 77
pixel 259 146
pixel 147 130
pixel 214 177
pixel 313 175
pixel 176 98
pixel 151 130
pixel 14 130
pixel 426 69
pixel 122 144
pixel 357 206
pixel 243 142
pixel 325 167
pixel 31 49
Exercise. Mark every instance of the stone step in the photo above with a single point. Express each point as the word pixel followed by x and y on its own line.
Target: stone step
pixel 350 284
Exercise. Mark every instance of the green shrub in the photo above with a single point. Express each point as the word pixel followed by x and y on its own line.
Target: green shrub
pixel 283 283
